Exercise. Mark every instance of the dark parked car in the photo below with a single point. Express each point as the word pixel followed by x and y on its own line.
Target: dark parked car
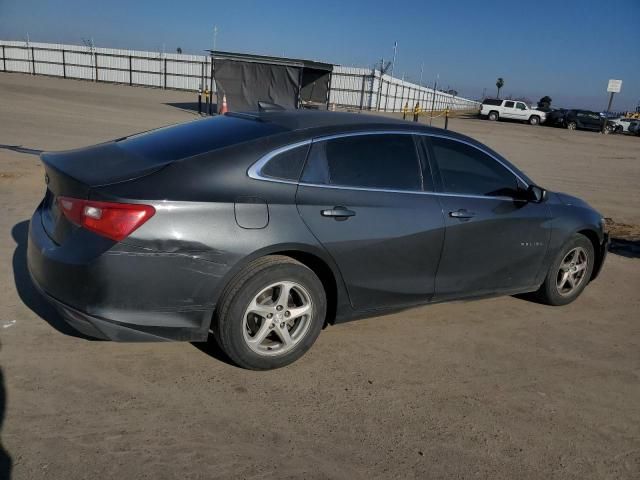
pixel 582 120
pixel 556 117
pixel 262 228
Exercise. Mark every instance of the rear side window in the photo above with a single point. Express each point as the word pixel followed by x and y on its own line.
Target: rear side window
pixel 492 101
pixel 508 104
pixel 384 161
pixel 286 165
pixel 466 170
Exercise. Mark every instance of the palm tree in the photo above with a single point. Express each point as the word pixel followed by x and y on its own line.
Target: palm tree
pixel 499 84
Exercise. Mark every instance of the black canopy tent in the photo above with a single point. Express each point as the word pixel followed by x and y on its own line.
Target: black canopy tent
pixel 247 79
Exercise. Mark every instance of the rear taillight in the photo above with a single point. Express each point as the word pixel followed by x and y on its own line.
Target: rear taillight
pixel 109 219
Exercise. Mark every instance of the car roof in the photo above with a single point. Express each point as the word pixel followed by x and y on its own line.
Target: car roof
pixel 321 122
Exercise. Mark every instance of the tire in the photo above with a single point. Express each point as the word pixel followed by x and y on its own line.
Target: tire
pixel 493 116
pixel 553 290
pixel 572 126
pixel 534 120
pixel 241 325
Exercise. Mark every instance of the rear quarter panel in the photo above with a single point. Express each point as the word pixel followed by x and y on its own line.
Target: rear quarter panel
pixel 196 200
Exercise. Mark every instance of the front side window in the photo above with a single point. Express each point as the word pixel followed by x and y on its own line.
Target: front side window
pixel 385 161
pixel 508 104
pixel 521 106
pixel 466 170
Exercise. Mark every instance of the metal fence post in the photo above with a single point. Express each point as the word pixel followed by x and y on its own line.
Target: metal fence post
pixel 202 82
pixel 130 72
pixel 211 97
pixel 4 60
pixel 95 63
pixel 386 97
pixel 64 64
pixel 165 72
pixel 364 78
pixel 33 61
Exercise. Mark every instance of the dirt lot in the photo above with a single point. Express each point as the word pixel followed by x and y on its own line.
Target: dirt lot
pixel 499 388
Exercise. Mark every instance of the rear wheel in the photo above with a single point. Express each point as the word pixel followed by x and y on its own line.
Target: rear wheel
pixel 270 313
pixel 572 125
pixel 493 116
pixel 534 120
pixel 569 273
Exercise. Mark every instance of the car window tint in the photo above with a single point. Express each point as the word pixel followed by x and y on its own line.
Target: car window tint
pixel 286 165
pixel 365 161
pixel 508 104
pixel 466 170
pixel 167 144
pixel 521 106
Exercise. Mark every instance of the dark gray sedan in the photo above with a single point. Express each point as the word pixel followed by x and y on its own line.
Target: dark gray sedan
pixel 262 228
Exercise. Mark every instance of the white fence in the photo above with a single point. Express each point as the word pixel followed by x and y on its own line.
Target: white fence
pixel 359 88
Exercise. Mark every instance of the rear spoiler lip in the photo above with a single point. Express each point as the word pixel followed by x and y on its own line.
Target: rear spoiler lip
pixel 53 159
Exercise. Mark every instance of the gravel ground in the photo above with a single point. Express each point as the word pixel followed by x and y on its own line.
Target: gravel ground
pixel 498 388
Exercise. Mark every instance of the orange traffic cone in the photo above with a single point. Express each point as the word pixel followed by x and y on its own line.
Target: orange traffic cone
pixel 224 109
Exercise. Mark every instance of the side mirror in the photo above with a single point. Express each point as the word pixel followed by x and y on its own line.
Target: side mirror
pixel 536 194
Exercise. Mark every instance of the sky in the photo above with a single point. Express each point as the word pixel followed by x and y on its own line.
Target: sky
pixel 565 49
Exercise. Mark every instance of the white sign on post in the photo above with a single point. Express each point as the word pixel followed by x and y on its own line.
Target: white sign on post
pixel 614 86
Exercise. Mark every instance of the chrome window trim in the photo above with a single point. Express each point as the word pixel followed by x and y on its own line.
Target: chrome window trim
pixel 255 171
pixel 409 192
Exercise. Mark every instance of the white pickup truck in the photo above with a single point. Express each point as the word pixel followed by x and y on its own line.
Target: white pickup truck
pixel 493 109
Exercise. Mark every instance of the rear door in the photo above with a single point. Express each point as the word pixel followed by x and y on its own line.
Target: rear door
pixel 509 110
pixel 494 241
pixel 362 196
pixel 595 121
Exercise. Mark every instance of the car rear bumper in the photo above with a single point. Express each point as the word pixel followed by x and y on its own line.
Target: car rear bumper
pixel 119 292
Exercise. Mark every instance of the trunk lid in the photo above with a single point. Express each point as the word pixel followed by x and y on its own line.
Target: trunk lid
pixel 74 173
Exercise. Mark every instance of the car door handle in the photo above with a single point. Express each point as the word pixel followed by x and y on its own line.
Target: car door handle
pixel 339 213
pixel 462 214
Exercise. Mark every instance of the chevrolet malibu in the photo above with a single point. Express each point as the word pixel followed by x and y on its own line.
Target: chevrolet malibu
pixel 260 229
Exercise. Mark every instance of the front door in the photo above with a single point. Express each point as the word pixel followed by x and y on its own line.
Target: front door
pixel 362 197
pixel 521 111
pixel 495 241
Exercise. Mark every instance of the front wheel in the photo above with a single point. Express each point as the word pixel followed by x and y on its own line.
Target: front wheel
pixel 569 273
pixel 572 125
pixel 534 120
pixel 270 314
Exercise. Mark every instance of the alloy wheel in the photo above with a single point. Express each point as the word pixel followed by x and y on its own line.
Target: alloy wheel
pixel 572 271
pixel 277 318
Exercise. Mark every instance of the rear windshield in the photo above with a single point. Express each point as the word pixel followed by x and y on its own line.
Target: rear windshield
pixel 193 138
pixel 491 101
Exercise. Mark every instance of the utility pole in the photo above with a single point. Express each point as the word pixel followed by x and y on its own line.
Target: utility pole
pixel 421 72
pixel 393 62
pixel 215 36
